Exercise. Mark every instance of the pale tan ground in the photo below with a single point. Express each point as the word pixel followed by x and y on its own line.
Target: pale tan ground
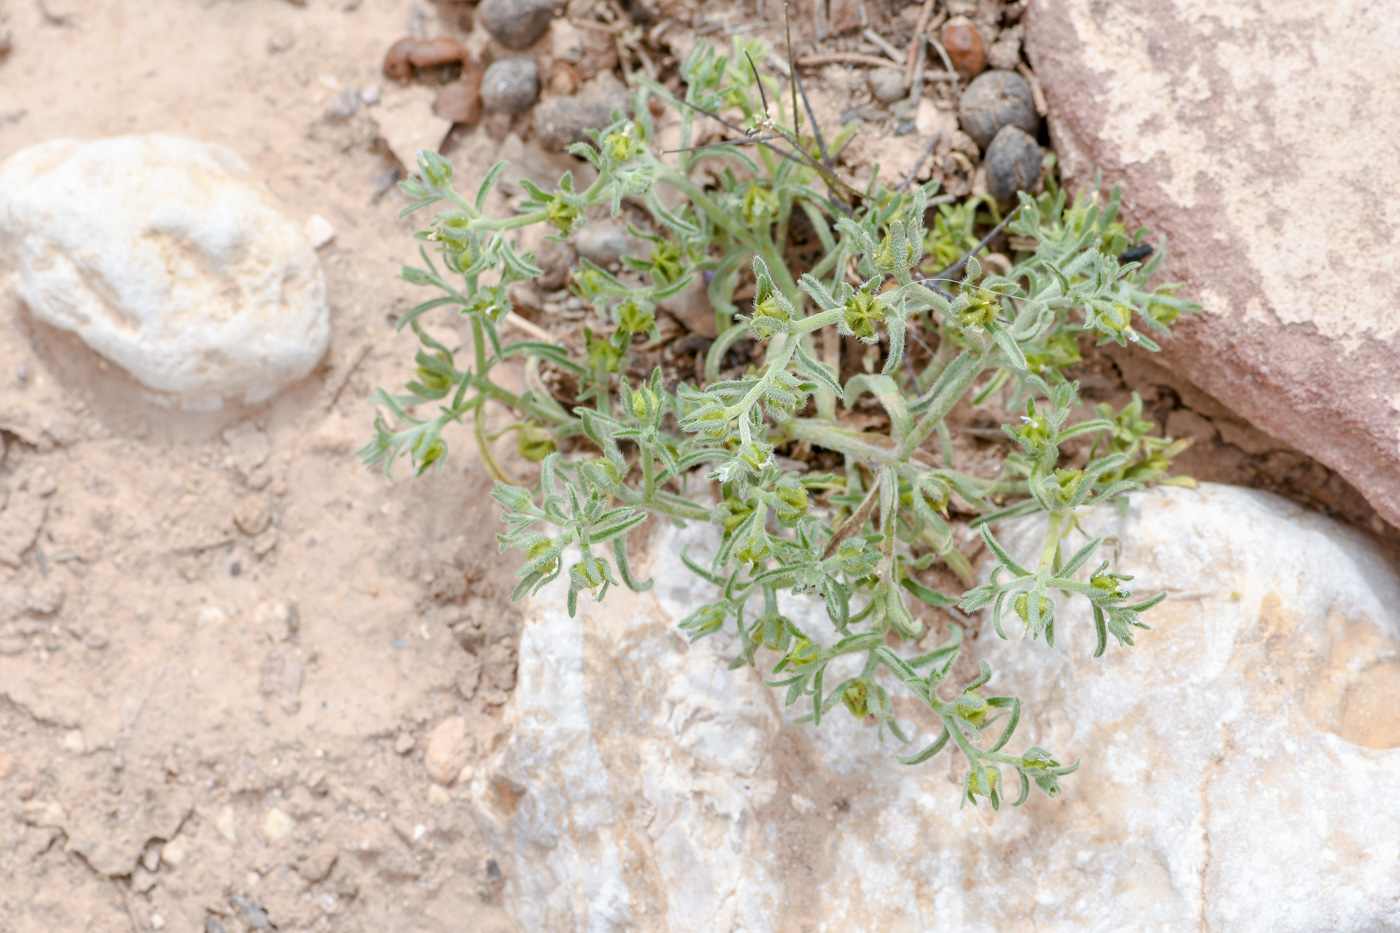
pixel 145 690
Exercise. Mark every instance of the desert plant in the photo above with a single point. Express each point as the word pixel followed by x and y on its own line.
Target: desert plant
pixel 863 537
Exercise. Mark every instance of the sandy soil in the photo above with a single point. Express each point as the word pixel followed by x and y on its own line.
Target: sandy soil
pixel 261 700
pixel 222 657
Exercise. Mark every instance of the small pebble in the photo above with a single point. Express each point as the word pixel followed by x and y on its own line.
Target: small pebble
pixel 964 46
pixel 887 84
pixel 370 95
pixel 905 127
pixel 560 121
pixel 212 924
pixel 174 853
pixel 253 515
pixel 602 243
pixel 96 639
pixel 516 24
pixel 511 85
pixel 396 64
pixel 403 744
pixel 450 747
pixel 276 824
pixel 996 99
pixel 429 53
pixel 1013 164
pixel 319 231
pixel 157 922
pixel 345 105
pixel 73 741
pixel 460 101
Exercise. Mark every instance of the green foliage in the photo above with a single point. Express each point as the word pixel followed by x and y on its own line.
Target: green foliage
pixel 863 538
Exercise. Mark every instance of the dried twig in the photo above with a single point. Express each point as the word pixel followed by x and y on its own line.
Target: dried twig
pixel 845 58
pixel 911 54
pixel 344 379
pixel 884 45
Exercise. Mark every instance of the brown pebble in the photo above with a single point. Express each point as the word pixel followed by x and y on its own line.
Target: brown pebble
pixel 965 47
pixel 564 79
pixel 428 53
pixel 396 63
pixel 460 101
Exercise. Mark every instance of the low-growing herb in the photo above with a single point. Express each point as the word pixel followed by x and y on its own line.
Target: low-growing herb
pixel 864 536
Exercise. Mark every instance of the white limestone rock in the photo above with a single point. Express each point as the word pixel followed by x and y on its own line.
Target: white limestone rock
pixel 168 257
pixel 1241 763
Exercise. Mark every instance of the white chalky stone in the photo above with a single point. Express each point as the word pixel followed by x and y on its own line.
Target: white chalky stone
pixel 168 257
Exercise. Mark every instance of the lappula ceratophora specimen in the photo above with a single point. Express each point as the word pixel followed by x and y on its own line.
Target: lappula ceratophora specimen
pixel 858 539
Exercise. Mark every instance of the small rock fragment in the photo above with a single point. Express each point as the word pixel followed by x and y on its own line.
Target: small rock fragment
pixel 511 85
pixel 429 53
pixel 996 99
pixel 276 824
pixel 887 84
pixel 516 24
pixel 1013 164
pixel 345 105
pixel 151 857
pixel 1005 53
pixel 560 121
pixel 468 677
pixel 555 258
pixel 403 743
pixel 319 231
pixel 174 853
pixel 438 795
pixel 603 243
pixel 157 921
pixel 396 63
pixel 95 639
pixel 964 46
pixel 253 914
pixel 460 101
pixel 73 741
pixel 253 515
pixel 449 749
pixel 803 805
pixel 370 95
pixel 223 822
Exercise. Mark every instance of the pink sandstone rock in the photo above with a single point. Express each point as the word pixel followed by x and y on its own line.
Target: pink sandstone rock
pixel 1262 140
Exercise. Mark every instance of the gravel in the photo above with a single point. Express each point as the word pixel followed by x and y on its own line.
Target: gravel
pixel 1013 164
pixel 516 24
pixel 511 85
pixel 560 121
pixel 996 99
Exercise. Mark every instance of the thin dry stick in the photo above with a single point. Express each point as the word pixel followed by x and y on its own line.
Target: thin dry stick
pixel 845 58
pixel 529 327
pixel 943 54
pixel 883 44
pixel 914 43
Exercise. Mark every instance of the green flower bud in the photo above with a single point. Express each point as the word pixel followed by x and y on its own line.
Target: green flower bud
pixel 759 206
pixel 860 315
pixel 1022 605
pixel 983 307
pixel 539 549
pixel 635 317
pixel 803 652
pixel 666 264
pixel 621 146
pixel 886 259
pixel 972 707
pixel 792 500
pixel 856 697
pixel 645 404
pixel 534 442
pixel 563 217
pixel 434 452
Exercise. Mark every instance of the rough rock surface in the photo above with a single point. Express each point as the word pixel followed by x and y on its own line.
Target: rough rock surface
pixel 1260 140
pixel 169 258
pixel 1241 763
